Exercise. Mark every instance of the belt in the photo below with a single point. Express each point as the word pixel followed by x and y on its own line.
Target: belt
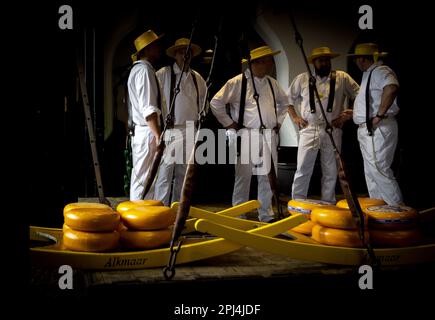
pixel 387 118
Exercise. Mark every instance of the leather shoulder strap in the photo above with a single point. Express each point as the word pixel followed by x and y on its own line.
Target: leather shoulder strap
pixel 311 92
pixel 242 102
pixel 331 96
pixel 368 120
pixel 195 83
pixel 274 99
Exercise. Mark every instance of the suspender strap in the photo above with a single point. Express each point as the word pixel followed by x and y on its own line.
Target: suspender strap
pixel 171 96
pixel 242 102
pixel 195 83
pixel 331 91
pixel 274 100
pixel 311 91
pixel 368 120
pixel 331 96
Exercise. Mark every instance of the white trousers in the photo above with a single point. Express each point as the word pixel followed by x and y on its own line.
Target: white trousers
pixel 378 154
pixel 312 139
pixel 172 168
pixel 143 147
pixel 246 166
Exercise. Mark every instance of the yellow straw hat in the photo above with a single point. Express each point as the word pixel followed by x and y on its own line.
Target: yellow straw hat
pixel 368 49
pixel 322 52
pixel 183 43
pixel 144 40
pixel 261 52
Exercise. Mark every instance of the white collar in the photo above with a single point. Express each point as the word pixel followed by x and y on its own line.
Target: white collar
pixel 248 76
pixel 374 65
pixel 177 69
pixel 144 61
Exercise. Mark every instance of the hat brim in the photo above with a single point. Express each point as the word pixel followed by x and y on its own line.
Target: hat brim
pixel 196 50
pixel 134 55
pixel 331 55
pixel 379 54
pixel 273 53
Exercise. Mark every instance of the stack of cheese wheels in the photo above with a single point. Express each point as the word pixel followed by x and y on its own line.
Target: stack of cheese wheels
pixel 304 206
pixel 335 226
pixel 393 226
pixel 90 227
pixel 127 205
pixel 363 202
pixel 146 225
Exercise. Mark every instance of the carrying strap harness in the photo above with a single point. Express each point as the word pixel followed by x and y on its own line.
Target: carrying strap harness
pixel 331 93
pixel 368 120
pixel 240 124
pixel 195 83
pixel 242 103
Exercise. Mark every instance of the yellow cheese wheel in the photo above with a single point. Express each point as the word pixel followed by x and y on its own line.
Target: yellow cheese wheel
pixel 334 217
pixel 92 219
pixel 148 218
pixel 337 237
pixel 304 206
pixel 127 205
pixel 363 202
pixel 396 238
pixel 304 228
pixel 86 205
pixel 89 241
pixel 387 217
pixel 145 239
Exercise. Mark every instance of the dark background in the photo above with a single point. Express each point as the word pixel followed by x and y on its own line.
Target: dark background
pixel 48 158
pixel 61 167
pixel 46 148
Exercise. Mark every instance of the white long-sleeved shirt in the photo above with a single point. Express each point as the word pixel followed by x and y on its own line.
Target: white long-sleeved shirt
pixel 186 107
pixel 142 92
pixel 299 92
pixel 230 94
pixel 382 76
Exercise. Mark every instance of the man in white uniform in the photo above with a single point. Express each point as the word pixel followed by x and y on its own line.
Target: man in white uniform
pixel 273 104
pixel 375 116
pixel 187 105
pixel 333 87
pixel 144 99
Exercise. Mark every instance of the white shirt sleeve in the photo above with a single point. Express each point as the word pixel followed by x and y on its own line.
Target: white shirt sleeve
pixel 384 76
pixel 146 87
pixel 294 91
pixel 227 94
pixel 282 102
pixel 351 88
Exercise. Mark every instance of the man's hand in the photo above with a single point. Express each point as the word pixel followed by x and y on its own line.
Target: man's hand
pixel 342 118
pixel 347 114
pixel 301 123
pixel 276 129
pixel 337 122
pixel 232 126
pixel 375 121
